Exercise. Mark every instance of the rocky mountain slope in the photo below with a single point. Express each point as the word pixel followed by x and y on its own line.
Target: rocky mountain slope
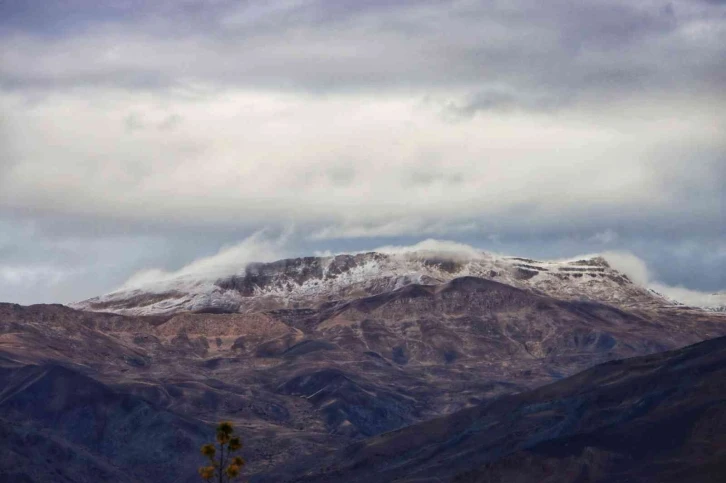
pixel 310 281
pixel 659 419
pixel 295 380
pixel 306 355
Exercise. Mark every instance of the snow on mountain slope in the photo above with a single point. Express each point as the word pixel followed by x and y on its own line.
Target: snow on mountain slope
pixel 716 302
pixel 310 281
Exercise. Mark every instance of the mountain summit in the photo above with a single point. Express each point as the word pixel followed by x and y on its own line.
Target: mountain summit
pixel 311 281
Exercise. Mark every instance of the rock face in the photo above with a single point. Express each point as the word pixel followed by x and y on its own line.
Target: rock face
pixel 311 281
pixel 658 419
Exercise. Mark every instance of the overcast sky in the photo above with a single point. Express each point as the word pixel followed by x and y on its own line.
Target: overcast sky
pixel 137 135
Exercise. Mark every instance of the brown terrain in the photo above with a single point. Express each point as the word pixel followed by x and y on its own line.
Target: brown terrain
pixel 94 396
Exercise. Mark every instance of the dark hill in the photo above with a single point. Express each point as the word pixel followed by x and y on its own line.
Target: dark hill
pixel 659 418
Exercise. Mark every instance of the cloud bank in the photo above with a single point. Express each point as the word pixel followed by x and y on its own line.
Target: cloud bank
pixel 136 134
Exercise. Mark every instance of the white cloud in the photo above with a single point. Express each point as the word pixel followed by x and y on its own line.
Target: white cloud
pixel 632 266
pixel 691 297
pixel 637 270
pixel 442 248
pixel 604 237
pixel 230 260
pixel 393 228
pixel 359 166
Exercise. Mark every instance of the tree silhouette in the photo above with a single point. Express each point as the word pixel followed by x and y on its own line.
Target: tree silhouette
pixel 223 467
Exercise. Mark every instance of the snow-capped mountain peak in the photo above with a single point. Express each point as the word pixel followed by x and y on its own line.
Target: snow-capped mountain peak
pixel 310 281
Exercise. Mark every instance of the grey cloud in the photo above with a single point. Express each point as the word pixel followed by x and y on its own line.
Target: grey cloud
pixel 137 134
pixel 170 122
pixel 133 122
pixel 505 100
pixel 549 53
pixel 604 237
pixel 426 177
pixel 343 174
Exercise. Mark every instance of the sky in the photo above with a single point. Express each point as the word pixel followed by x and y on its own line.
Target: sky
pixel 144 136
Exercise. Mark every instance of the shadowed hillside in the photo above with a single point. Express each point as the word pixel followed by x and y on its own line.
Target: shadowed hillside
pixel 659 418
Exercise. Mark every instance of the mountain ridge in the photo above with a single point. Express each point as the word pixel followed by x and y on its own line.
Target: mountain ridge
pixel 308 282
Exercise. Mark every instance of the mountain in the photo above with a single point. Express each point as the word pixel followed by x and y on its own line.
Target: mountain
pixel 299 381
pixel 310 281
pixel 659 419
pixel 307 355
